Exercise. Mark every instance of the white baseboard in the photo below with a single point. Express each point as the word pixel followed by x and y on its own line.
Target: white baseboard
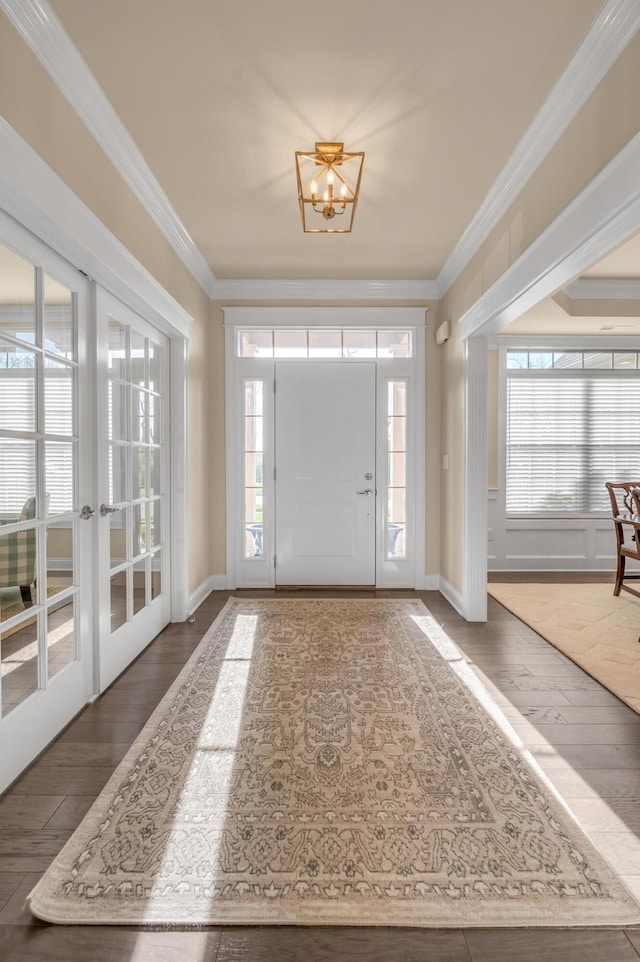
pixel 213 583
pixel 452 595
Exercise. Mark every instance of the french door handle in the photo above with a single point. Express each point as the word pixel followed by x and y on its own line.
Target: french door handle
pixel 86 512
pixel 367 491
pixel 106 509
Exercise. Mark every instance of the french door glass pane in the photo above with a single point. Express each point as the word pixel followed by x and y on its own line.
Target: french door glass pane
pixel 155 368
pixel 17 476
pixel 59 468
pixel 58 319
pixel 117 401
pixel 60 556
pixel 58 397
pixel 17 296
pixel 117 473
pixel 155 523
pixel 139 585
pixel 118 596
pixel 61 637
pixel 139 529
pixel 17 388
pixel 156 574
pixel 138 416
pixel 138 359
pixel 20 658
pixel 138 471
pixel 153 418
pixel 118 524
pixel 154 471
pixel 117 357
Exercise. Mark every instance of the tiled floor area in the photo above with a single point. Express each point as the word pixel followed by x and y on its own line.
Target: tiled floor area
pixel 586 740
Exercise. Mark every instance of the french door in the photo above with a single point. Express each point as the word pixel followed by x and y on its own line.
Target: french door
pixel 46 630
pixel 132 508
pixel 325 460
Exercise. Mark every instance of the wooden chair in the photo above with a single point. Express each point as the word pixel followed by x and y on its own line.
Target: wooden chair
pixel 625 506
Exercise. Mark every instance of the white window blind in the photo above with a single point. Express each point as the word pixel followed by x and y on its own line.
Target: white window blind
pixel 566 434
pixel 17 455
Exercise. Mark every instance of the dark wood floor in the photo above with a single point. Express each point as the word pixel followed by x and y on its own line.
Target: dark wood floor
pixel 587 741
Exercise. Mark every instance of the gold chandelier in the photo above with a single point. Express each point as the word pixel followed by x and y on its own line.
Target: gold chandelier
pixel 328 187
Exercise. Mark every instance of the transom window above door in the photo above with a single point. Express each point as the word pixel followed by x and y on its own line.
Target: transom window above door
pixel 320 343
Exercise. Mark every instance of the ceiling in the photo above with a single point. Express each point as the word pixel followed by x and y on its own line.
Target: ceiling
pixel 201 106
pixel 218 96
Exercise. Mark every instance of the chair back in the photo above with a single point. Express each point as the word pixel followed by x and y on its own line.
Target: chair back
pixel 625 498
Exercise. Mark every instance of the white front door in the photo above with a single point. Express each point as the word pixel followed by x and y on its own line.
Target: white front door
pixel 133 484
pixel 325 459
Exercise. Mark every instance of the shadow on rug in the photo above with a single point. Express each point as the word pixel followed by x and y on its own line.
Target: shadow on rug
pixel 329 762
pixel 588 624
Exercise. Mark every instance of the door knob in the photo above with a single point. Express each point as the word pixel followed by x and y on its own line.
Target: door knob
pixel 367 491
pixel 106 509
pixel 86 512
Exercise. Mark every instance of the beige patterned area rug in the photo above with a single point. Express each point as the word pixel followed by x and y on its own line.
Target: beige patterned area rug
pixel 329 762
pixel 586 622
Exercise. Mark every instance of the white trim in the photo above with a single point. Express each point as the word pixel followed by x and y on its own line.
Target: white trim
pixel 202 592
pixel 603 289
pixel 271 290
pixel 255 317
pixel 474 569
pixel 37 198
pixel 178 447
pixel 603 215
pixel 452 595
pixel 39 26
pixel 573 342
pixel 611 31
pixel 263 575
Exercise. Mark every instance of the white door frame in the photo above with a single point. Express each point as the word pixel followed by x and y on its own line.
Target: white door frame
pixel 250 573
pixel 602 216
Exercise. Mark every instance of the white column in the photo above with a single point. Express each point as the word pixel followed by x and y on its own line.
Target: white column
pixel 474 572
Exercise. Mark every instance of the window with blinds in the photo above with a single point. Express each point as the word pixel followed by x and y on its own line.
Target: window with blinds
pixel 568 430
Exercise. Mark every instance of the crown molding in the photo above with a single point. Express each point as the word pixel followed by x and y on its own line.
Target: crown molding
pixel 33 194
pixel 41 29
pixel 606 213
pixel 325 290
pixel 324 316
pixel 611 31
pixel 603 289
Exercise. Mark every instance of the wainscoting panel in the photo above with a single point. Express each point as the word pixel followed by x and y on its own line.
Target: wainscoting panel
pixel 548 544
